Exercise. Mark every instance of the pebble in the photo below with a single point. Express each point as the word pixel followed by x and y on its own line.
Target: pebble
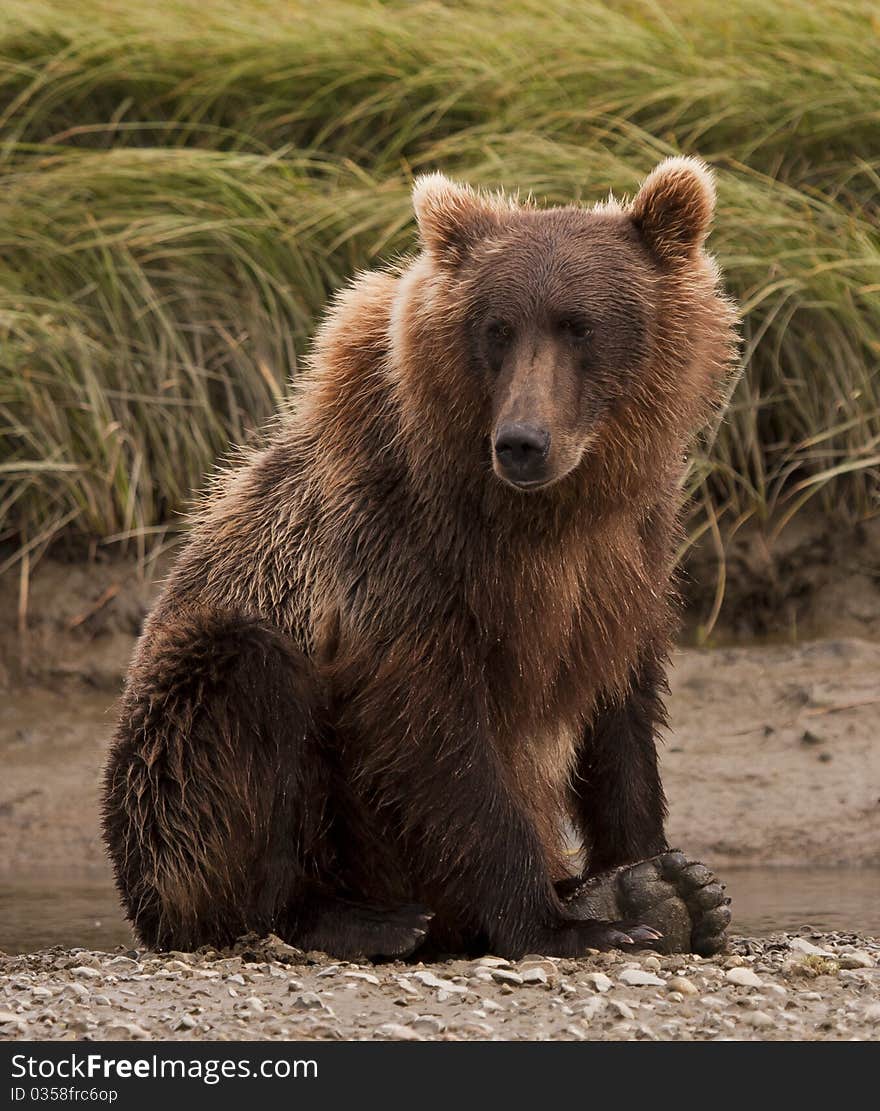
pixel 86 973
pixel 367 977
pixel 637 977
pixel 623 1009
pixel 398 1032
pixel 432 981
pixel 858 958
pixel 131 1029
pixel 801 945
pixel 492 962
pixel 599 981
pixel 123 964
pixel 506 976
pixel 743 977
pixel 428 1024
pixel 758 1018
pixel 308 1001
pixel 545 965
pixel 534 975
pixel 681 985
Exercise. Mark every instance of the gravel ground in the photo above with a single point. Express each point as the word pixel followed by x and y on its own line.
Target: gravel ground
pixel 786 987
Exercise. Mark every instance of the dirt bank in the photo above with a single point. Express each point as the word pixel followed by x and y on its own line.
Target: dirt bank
pixel 781 988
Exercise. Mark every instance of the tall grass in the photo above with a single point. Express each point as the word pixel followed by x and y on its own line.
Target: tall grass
pixel 182 186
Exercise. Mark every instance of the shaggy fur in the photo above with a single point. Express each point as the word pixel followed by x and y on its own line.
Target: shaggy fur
pixel 381 675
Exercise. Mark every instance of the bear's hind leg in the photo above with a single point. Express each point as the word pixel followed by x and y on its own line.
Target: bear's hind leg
pixel 349 929
pixel 215 791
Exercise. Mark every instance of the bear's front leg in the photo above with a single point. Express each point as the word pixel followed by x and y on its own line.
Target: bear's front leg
pixel 621 810
pixel 618 798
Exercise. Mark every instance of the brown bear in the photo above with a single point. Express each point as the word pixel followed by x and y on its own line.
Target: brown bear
pixel 427 626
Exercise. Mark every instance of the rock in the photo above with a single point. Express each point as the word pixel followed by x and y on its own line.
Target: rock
pixel 255 1004
pixel 274 948
pixel 79 990
pixel 599 981
pixel 743 977
pixel 84 972
pixel 432 981
pixel 534 975
pixel 428 1024
pixel 492 962
pixel 367 977
pixel 652 964
pixel 872 1012
pixel 758 1019
pixel 126 1029
pixel 506 976
pixel 593 1006
pixel 8 1016
pixel 123 964
pixel 857 958
pixel 397 1032
pixel 857 975
pixel 801 945
pixel 186 1022
pixel 543 963
pixel 308 1001
pixel 623 1009
pixel 637 977
pixel 681 985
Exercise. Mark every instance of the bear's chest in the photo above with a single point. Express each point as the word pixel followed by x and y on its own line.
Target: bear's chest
pixel 568 630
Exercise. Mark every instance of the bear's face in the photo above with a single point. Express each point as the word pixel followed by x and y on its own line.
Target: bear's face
pixel 559 306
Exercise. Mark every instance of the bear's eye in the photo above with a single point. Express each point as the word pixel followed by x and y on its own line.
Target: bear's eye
pixel 499 331
pixel 574 328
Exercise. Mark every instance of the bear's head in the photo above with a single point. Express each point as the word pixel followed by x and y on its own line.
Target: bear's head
pixel 565 339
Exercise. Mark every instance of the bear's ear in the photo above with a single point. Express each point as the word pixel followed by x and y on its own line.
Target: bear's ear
pixel 674 207
pixel 452 218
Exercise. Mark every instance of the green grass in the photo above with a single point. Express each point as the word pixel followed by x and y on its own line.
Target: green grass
pixel 182 186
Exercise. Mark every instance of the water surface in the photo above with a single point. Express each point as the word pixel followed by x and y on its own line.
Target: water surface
pixel 36 914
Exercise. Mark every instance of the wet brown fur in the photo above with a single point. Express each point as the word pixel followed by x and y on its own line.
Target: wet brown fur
pixel 379 675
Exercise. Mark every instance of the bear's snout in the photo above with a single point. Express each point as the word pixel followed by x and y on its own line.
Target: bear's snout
pixel 521 452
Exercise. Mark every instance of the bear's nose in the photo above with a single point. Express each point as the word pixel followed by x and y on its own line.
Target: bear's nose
pixel 521 450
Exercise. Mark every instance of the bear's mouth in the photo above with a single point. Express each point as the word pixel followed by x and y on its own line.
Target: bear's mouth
pixel 526 486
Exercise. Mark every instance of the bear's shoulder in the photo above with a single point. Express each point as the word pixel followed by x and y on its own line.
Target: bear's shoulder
pixel 356 329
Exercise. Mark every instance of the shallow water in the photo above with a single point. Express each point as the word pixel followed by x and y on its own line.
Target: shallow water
pixel 37 914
